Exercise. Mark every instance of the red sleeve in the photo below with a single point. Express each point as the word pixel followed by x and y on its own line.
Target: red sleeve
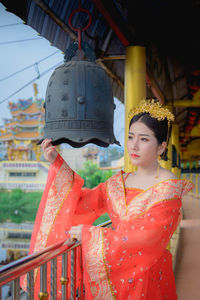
pixel 91 205
pixel 74 205
pixel 53 169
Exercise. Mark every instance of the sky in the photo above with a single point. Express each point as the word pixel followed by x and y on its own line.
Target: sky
pixel 25 56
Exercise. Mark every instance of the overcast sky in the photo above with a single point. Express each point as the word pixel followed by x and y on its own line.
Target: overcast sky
pixel 22 48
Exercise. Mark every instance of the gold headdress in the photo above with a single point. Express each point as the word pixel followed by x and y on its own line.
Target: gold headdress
pixel 154 108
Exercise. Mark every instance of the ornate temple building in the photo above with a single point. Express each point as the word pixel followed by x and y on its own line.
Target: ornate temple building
pixel 22 165
pixel 22 132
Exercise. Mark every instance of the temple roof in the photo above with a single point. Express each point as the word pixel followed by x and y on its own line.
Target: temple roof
pixel 27 136
pixel 21 136
pixel 25 123
pixel 6 137
pixel 31 126
pixel 11 124
pixel 32 110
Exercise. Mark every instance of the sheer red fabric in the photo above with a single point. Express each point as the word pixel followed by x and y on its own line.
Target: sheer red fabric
pixel 64 204
pixel 131 261
pixel 128 261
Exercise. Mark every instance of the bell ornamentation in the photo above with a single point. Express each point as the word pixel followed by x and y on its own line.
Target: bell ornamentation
pixel 79 105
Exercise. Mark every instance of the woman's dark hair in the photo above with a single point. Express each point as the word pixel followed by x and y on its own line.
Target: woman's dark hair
pixel 159 128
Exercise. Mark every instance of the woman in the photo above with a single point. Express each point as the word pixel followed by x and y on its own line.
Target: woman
pixel 130 260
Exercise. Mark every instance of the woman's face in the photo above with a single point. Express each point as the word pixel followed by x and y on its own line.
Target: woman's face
pixel 142 145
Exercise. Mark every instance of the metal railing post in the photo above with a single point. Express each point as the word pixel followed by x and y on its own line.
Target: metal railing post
pixel 16 289
pixel 30 285
pixel 53 279
pixel 64 279
pixel 81 269
pixel 73 275
pixel 43 295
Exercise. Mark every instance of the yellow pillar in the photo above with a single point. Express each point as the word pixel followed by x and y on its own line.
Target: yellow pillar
pixel 168 164
pixel 197 183
pixel 170 154
pixel 179 169
pixel 185 166
pixel 37 151
pixel 191 175
pixel 135 88
pixel 179 155
pixel 180 166
pixel 175 142
pixel 197 180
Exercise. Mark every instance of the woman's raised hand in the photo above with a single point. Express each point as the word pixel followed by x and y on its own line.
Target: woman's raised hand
pixel 76 233
pixel 50 152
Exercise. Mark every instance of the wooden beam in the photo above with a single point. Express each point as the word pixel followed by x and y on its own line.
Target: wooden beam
pixel 73 36
pixel 194 102
pixel 184 103
pixel 154 87
pixel 56 19
pixel 127 37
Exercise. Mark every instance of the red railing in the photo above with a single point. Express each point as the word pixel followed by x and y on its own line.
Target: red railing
pixel 13 271
pixel 22 266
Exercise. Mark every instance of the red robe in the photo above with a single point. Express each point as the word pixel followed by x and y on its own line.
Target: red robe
pixel 128 261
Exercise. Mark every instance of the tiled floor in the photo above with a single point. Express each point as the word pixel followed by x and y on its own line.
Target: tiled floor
pixel 187 271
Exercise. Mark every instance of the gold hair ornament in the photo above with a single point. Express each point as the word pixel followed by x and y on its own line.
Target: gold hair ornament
pixel 154 108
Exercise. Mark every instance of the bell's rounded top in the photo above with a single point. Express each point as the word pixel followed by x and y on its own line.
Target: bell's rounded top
pixel 79 105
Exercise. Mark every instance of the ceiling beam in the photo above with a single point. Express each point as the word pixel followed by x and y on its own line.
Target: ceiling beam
pixel 55 18
pixel 73 36
pixel 154 87
pixel 115 20
pixel 126 36
pixel 184 103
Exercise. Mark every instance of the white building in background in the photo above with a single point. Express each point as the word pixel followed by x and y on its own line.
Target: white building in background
pixel 24 175
pixel 75 157
pixel 22 164
pixel 32 175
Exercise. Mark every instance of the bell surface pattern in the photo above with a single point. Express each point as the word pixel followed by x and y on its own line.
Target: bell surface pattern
pixel 79 105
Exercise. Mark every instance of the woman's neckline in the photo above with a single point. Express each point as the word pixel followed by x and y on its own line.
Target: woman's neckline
pixel 148 188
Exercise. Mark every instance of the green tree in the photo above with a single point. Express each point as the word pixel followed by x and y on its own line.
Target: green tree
pixel 18 206
pixel 115 153
pixel 92 175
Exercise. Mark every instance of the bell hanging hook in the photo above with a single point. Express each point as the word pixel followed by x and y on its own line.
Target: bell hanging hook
pixel 80 30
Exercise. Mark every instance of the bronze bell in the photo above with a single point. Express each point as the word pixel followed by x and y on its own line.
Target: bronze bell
pixel 79 105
